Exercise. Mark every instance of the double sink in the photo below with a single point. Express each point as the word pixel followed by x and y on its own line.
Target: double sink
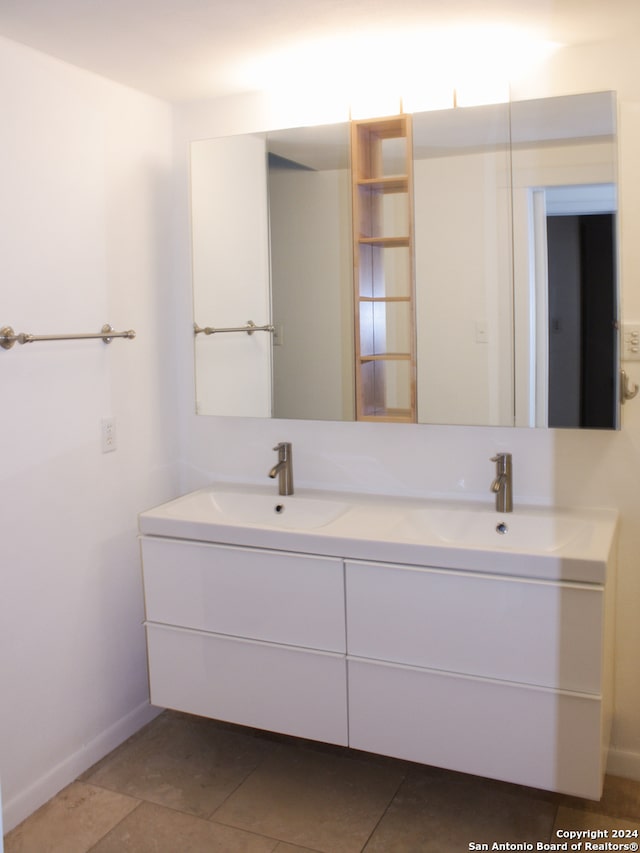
pixel 546 543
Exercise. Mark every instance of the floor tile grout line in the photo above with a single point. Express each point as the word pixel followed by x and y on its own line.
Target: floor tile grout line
pixel 553 822
pixel 247 831
pixel 384 812
pixel 142 802
pixel 250 831
pixel 212 814
pixel 112 790
pixel 145 801
pixel 302 847
pixel 138 802
pixel 209 815
pixel 102 837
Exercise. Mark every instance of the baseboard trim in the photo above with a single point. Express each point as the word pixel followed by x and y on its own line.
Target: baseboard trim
pixel 26 802
pixel 622 762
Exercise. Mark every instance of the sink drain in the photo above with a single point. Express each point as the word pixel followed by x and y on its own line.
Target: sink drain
pixel 278 508
pixel 502 528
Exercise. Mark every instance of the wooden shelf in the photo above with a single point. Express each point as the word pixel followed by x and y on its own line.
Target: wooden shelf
pixel 386 242
pixel 386 127
pixel 385 299
pixel 386 184
pixel 386 356
pixel 382 164
pixel 392 416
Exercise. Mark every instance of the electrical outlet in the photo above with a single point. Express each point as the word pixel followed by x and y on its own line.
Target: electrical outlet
pixel 108 432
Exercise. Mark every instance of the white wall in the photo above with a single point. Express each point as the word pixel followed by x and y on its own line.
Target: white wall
pixel 85 176
pixel 567 468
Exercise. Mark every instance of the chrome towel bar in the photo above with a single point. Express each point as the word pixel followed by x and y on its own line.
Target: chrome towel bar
pixel 8 337
pixel 250 328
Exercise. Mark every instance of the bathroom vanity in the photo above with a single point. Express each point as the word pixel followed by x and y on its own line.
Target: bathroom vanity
pixel 413 629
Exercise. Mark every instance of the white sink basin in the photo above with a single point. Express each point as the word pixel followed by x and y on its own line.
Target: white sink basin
pixel 255 506
pixel 293 511
pixel 523 531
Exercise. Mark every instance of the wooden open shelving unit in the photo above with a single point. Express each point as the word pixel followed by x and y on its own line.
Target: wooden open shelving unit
pixel 384 292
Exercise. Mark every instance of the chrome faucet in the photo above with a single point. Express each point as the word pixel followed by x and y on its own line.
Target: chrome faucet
pixel 283 469
pixel 502 486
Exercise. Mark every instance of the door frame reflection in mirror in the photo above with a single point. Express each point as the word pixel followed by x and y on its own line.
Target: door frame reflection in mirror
pixel 570 171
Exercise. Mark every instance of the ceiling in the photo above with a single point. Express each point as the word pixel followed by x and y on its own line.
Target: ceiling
pixel 189 49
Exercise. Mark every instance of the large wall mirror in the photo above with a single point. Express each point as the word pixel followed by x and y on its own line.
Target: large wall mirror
pixel 514 262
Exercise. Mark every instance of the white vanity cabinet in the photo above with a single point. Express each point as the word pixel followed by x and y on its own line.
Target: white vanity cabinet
pixel 504 673
pixel 249 636
pixel 497 676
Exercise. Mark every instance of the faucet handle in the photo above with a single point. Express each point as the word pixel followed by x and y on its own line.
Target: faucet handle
pixel 503 461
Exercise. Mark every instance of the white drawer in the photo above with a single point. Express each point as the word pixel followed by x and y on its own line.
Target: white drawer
pixel 527 735
pixel 278 688
pixel 534 632
pixel 263 595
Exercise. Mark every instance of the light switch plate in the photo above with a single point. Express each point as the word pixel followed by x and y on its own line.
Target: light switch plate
pixel 108 435
pixel 631 342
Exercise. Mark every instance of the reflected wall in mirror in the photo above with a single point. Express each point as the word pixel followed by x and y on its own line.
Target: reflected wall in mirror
pixel 311 273
pixel 231 275
pixel 494 318
pixel 463 266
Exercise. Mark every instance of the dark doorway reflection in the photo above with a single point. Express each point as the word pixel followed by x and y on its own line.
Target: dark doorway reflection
pixel 582 312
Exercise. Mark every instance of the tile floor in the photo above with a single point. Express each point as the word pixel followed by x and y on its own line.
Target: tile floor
pixel 187 785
